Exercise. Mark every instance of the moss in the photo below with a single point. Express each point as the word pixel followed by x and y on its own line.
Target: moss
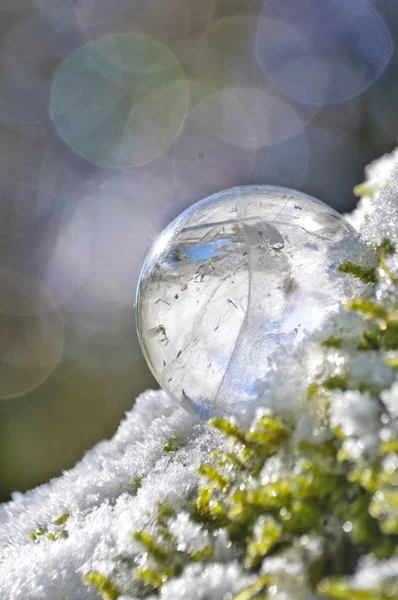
pixel 135 485
pixel 151 546
pixel 38 533
pixel 340 590
pixel 165 512
pixel 364 189
pixel 61 520
pixel 218 480
pixel 370 310
pixel 332 342
pixel 104 585
pixel 337 382
pixel 365 275
pixel 58 533
pixel 202 555
pixel 229 429
pixel 151 577
pixel 173 444
pixel 261 519
pixel 269 534
pixel 254 590
pixel 391 362
pixel 312 391
pixel 386 247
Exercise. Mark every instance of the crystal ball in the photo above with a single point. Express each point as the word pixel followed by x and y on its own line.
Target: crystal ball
pixel 232 279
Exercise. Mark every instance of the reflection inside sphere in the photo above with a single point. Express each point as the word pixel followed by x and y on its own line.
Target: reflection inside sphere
pixel 233 279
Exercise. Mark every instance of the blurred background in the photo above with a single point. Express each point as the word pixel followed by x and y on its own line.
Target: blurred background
pixel 114 117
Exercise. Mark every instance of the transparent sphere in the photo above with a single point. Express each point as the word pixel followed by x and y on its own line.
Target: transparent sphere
pixel 232 279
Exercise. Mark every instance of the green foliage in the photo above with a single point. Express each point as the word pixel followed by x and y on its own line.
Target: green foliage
pixel 173 444
pixel 38 533
pixel 56 532
pixel 362 273
pixel 164 551
pixel 61 519
pixel 104 586
pixel 254 590
pixel 332 342
pixel 386 248
pixel 364 189
pixel 268 534
pixel 135 485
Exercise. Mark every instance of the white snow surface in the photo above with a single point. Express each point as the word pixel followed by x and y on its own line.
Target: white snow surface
pixel 100 492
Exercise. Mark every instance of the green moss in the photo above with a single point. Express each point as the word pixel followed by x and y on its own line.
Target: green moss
pixel 38 533
pixel 365 275
pixel 332 342
pixel 229 429
pixel 340 590
pixel 61 519
pixel 312 391
pixel 370 310
pixel 218 480
pixel 364 189
pixel 261 518
pixel 336 382
pixel 135 485
pixel 264 518
pixel 165 512
pixel 173 444
pixel 152 577
pixel 391 362
pixel 202 555
pixel 386 247
pixel 254 590
pixel 269 534
pixel 58 533
pixel 104 585
pixel 390 446
pixel 151 546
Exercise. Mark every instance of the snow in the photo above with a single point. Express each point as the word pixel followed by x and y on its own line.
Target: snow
pixel 200 583
pixel 377 176
pixel 358 416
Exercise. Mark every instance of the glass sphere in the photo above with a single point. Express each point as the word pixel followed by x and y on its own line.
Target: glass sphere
pixel 229 281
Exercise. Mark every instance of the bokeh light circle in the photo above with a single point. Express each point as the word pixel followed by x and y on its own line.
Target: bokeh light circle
pixel 32 334
pixel 21 204
pixel 104 237
pixel 322 52
pixel 169 21
pixel 224 53
pixel 57 11
pixel 119 101
pixel 208 154
pixel 341 153
pixel 283 164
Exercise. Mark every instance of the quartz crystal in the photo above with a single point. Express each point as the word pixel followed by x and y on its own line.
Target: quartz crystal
pixel 233 278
